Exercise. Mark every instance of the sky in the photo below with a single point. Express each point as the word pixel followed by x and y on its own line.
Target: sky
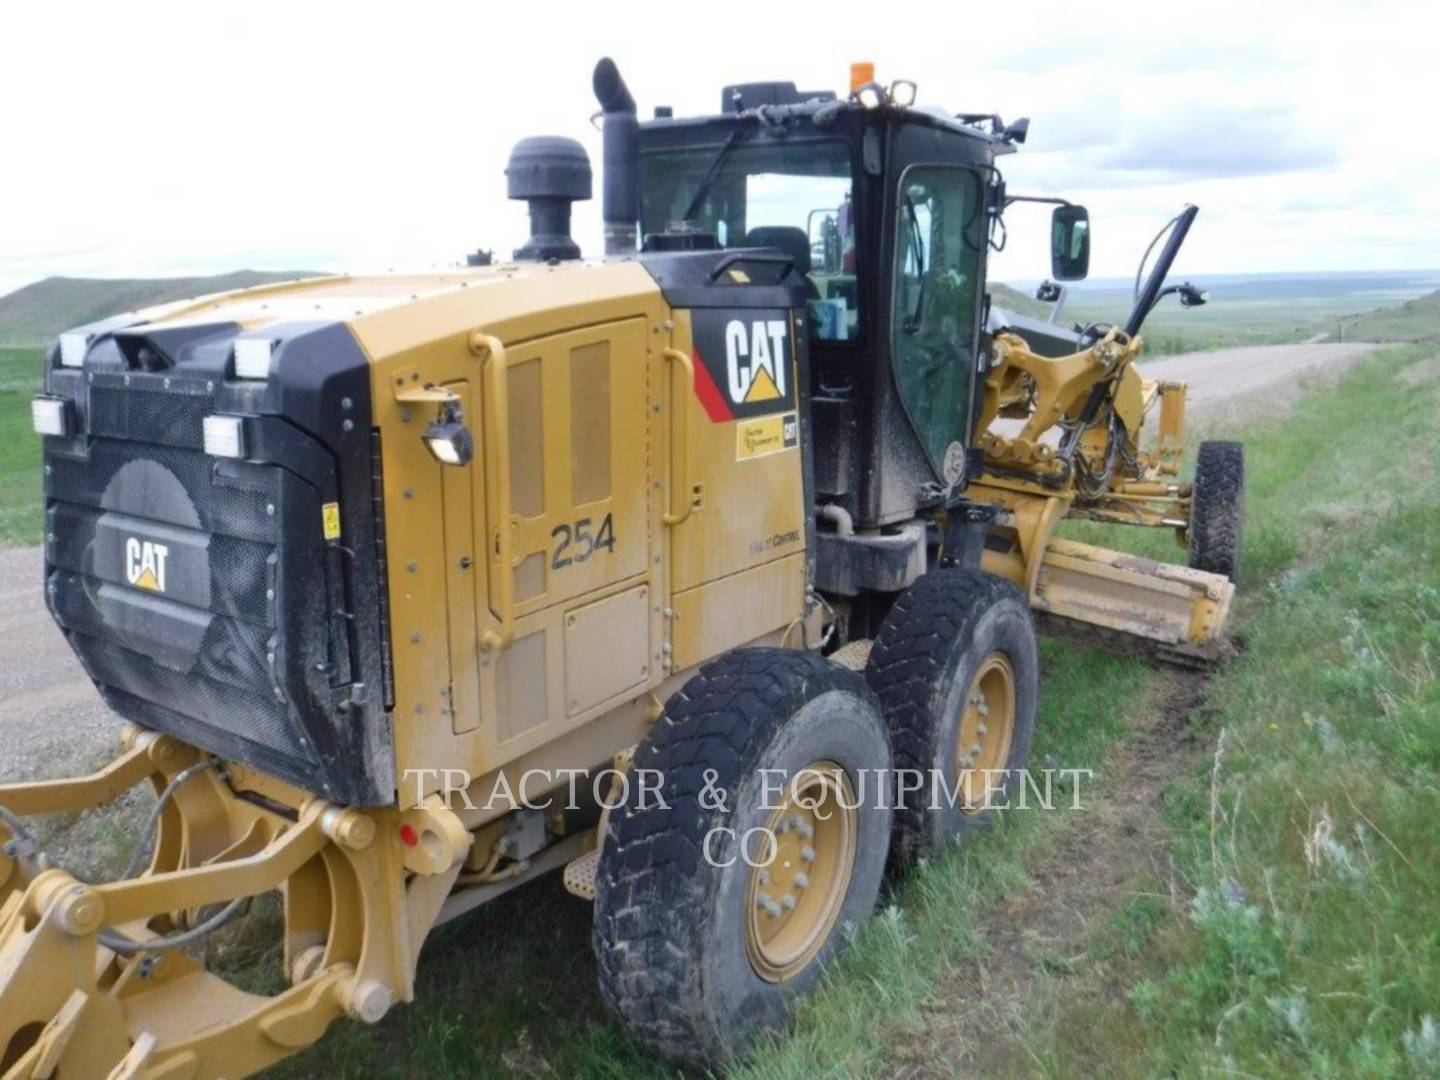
pixel 156 139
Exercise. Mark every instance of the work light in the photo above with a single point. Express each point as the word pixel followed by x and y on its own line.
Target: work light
pixel 51 416
pixel 225 436
pixel 449 439
pixel 73 347
pixel 252 357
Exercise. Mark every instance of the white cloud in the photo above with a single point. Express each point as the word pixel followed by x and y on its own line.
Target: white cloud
pixel 161 137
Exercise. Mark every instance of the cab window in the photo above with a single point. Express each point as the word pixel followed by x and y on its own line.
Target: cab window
pixel 795 197
pixel 938 247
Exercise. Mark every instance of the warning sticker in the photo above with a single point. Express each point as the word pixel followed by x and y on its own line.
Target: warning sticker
pixel 330 517
pixel 766 435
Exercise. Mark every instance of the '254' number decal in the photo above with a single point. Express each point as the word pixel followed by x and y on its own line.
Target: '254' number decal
pixel 580 537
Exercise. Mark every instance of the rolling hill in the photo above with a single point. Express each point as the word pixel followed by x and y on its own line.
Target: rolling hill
pixel 35 314
pixel 1414 320
pixel 1021 303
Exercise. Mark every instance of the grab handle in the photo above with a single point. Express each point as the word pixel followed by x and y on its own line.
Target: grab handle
pixel 680 439
pixel 495 410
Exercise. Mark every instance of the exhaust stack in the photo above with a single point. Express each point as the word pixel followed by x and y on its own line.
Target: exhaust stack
pixel 622 159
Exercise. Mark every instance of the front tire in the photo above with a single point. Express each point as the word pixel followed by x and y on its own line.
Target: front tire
pixel 697 950
pixel 1217 509
pixel 956 667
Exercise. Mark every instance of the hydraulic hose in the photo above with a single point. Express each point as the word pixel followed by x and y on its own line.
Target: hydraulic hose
pixel 141 852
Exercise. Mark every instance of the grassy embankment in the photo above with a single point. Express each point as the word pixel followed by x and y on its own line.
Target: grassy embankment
pixel 1307 936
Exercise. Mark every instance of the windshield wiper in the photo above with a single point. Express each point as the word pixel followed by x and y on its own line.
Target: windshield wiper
pixel 737 135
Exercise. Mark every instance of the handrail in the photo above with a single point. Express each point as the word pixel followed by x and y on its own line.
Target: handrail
pixel 495 410
pixel 680 435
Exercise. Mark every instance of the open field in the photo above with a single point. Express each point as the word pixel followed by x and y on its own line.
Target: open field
pixel 1273 309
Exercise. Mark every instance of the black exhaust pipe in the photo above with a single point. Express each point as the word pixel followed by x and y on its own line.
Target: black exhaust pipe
pixel 622 159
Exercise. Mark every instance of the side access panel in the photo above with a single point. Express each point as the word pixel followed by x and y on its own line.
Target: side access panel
pixel 738 560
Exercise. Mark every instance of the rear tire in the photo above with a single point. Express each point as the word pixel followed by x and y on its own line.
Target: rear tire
pixel 1217 509
pixel 953 637
pixel 696 956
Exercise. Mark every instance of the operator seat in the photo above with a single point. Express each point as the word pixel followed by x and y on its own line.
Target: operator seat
pixel 790 240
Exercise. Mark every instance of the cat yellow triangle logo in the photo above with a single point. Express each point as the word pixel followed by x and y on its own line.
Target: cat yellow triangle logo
pixel 147 580
pixel 763 388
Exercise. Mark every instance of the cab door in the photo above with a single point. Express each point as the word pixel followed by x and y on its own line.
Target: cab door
pixel 939 263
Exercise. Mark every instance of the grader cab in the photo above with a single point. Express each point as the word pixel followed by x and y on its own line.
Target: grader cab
pixel 696 571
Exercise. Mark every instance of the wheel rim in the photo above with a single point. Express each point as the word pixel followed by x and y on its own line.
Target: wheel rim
pixel 987 727
pixel 794 901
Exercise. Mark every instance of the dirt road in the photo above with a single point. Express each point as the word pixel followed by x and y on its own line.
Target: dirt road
pixel 51 719
pixel 1252 374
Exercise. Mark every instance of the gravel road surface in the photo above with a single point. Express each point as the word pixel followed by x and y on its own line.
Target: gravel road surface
pixel 52 720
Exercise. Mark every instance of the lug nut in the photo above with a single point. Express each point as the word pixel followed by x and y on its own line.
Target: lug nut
pixel 807 853
pixel 788 902
pixel 802 881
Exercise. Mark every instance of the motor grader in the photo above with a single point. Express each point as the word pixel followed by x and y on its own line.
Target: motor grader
pixel 404 585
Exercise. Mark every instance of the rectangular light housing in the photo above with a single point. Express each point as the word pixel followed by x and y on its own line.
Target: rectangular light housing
pixel 225 436
pixel 51 416
pixel 73 348
pixel 252 357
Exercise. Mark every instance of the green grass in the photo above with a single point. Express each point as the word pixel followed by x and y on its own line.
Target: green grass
pixel 1309 937
pixel 20 501
pixel 1414 320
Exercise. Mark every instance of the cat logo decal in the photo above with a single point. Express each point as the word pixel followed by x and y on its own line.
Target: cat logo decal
pixel 145 564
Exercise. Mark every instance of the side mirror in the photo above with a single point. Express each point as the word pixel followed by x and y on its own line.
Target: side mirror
pixel 1048 292
pixel 1069 243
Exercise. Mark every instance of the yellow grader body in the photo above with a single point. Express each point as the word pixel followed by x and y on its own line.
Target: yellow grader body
pixel 629 514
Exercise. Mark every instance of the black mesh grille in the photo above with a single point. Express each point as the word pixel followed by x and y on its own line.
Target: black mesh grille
pixel 241 578
pixel 157 417
pixel 230 505
pixel 191 694
pixel 228 651
pixel 200 650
